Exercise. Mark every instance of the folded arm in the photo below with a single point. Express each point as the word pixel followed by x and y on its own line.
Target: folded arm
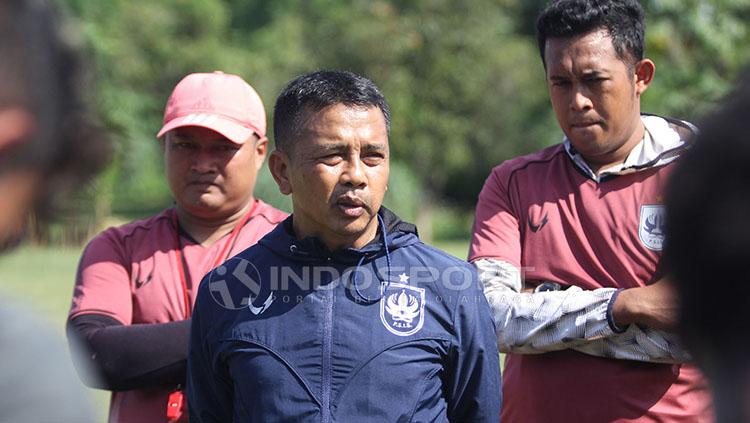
pixel 573 318
pixel 132 356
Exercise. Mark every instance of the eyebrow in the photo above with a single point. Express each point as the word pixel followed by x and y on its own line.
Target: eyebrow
pixel 585 74
pixel 374 148
pixel 178 136
pixel 594 73
pixel 336 147
pixel 332 147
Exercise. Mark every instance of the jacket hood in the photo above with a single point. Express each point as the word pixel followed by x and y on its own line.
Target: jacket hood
pixel 311 250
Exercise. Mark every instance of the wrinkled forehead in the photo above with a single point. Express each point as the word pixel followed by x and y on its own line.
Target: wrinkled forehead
pixel 341 123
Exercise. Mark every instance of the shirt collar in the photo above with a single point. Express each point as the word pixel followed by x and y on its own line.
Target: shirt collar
pixel 661 144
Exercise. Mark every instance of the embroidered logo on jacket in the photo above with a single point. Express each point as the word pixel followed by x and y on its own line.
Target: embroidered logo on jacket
pixel 402 308
pixel 651 226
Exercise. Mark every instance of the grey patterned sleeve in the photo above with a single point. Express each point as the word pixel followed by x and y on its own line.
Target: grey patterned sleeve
pixel 534 323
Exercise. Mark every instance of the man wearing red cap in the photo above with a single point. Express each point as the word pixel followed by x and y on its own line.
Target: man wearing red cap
pixel 136 284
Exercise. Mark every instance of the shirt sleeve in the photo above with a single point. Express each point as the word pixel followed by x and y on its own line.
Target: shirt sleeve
pixel 496 231
pixel 210 389
pixel 533 323
pixel 132 356
pixel 476 386
pixel 103 280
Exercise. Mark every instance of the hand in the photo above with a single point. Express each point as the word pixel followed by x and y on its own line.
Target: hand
pixel 654 306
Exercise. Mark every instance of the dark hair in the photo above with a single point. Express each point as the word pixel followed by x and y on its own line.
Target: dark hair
pixel 315 91
pixel 623 20
pixel 41 72
pixel 707 246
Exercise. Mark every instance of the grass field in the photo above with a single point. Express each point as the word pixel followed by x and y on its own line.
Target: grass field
pixel 41 279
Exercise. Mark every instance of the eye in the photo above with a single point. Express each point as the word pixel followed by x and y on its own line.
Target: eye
pixel 331 159
pixel 227 148
pixel 560 83
pixel 182 145
pixel 373 159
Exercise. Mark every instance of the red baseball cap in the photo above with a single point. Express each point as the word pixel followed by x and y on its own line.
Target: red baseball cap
pixel 221 102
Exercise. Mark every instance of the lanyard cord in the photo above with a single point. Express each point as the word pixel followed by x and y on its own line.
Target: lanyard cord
pixel 183 269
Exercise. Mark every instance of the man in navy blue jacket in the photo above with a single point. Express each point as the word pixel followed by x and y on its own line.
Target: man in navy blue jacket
pixel 341 313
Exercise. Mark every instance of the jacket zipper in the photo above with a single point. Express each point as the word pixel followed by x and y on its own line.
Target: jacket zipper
pixel 327 346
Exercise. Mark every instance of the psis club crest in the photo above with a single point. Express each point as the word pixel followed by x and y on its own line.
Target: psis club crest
pixel 651 226
pixel 402 308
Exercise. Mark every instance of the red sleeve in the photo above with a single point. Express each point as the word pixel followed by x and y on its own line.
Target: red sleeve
pixel 103 280
pixel 495 233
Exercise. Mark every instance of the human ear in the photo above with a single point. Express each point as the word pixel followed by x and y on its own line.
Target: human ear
pixel 644 74
pixel 261 148
pixel 16 125
pixel 278 163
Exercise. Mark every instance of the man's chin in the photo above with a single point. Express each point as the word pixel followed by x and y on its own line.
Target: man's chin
pixel 359 226
pixel 204 207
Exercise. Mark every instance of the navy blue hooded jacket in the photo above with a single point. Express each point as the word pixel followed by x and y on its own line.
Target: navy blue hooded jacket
pixel 397 331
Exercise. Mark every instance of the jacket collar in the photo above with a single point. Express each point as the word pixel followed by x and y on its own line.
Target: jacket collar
pixel 283 241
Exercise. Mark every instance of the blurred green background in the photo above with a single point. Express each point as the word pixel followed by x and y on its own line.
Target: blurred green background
pixel 464 81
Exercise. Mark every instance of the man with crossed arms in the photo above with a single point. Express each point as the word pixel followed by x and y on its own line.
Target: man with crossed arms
pixel 568 240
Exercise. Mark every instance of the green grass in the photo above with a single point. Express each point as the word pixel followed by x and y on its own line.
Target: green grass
pixel 41 279
pixel 458 248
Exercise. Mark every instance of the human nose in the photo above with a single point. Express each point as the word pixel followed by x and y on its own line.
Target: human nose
pixel 581 99
pixel 354 172
pixel 203 161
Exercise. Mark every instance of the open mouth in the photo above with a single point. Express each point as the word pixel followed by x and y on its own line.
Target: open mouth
pixel 351 206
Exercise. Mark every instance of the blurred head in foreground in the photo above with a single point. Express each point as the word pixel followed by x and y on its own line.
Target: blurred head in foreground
pixel 46 145
pixel 708 250
pixel 46 151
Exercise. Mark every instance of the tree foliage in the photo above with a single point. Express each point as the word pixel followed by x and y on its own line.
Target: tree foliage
pixel 463 79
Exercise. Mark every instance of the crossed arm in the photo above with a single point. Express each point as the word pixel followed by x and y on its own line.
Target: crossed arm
pixel 630 324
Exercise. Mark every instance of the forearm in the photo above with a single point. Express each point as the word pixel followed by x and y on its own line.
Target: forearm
pixel 533 323
pixel 134 356
pixel 639 343
pixel 643 318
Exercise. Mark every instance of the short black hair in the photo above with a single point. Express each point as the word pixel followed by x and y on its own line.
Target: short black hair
pixel 315 91
pixel 42 72
pixel 707 247
pixel 623 20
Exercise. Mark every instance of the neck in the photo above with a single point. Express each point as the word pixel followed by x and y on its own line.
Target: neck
pixel 334 241
pixel 209 230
